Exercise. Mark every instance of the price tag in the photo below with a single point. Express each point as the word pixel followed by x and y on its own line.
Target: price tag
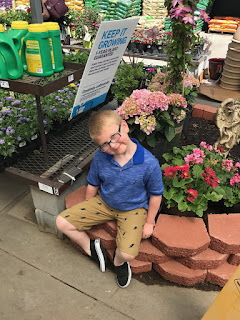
pixel 4 84
pixel 70 78
pixel 45 188
pixel 87 37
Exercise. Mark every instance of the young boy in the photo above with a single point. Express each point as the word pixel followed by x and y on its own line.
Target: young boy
pixel 130 182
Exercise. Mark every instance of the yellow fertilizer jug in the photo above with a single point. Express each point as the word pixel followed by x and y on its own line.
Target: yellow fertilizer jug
pixel 36 53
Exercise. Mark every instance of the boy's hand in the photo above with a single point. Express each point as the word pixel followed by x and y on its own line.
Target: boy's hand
pixel 147 230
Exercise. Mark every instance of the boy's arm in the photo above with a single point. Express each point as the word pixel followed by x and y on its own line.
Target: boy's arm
pixel 153 207
pixel 91 191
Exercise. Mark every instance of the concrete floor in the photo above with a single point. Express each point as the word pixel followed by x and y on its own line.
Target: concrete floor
pixel 42 277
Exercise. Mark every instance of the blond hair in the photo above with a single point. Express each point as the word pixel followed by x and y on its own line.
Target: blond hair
pixel 100 120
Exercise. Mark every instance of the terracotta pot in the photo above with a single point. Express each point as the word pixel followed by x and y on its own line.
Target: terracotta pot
pixel 233 70
pixel 229 74
pixel 236 35
pixel 232 63
pixel 234 54
pixel 235 44
pixel 230 80
pixel 229 86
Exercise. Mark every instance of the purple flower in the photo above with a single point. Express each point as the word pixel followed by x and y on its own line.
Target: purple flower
pixel 61 91
pixel 16 102
pixel 1 119
pixel 64 104
pixel 67 89
pixel 54 110
pixel 45 122
pixel 5 112
pixel 27 119
pixel 10 130
pixel 57 97
pixel 2 141
pixel 9 98
pixel 19 138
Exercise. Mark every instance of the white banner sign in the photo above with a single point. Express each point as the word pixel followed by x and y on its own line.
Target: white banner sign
pixel 107 51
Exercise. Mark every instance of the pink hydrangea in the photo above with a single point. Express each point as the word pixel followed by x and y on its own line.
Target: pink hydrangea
pixel 177 100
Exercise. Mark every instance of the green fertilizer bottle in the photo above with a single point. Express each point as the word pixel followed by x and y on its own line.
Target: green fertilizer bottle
pixel 3 70
pixel 55 45
pixel 10 57
pixel 18 31
pixel 36 53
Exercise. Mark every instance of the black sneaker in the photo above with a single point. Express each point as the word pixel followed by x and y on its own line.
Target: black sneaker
pixel 98 253
pixel 124 275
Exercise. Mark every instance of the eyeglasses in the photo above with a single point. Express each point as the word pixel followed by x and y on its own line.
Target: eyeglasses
pixel 114 138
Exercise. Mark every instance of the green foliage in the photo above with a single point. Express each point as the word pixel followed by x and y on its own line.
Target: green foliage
pixel 78 57
pixel 127 79
pixel 182 42
pixel 191 184
pixel 10 15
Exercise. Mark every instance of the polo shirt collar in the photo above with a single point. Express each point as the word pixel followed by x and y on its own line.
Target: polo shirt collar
pixel 138 156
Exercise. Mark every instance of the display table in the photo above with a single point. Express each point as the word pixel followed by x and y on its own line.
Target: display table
pixel 199 64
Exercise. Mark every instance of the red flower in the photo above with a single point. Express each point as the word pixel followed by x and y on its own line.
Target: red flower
pixel 221 149
pixel 184 169
pixel 192 195
pixel 29 10
pixel 210 177
pixel 170 172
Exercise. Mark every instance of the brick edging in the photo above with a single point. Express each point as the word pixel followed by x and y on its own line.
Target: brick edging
pixel 204 111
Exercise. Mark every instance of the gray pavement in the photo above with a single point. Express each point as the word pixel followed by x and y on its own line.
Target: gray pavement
pixel 43 277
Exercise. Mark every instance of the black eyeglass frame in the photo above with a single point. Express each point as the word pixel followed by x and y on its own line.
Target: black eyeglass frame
pixel 107 145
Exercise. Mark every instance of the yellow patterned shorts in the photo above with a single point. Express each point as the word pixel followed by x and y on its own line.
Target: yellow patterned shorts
pixel 94 211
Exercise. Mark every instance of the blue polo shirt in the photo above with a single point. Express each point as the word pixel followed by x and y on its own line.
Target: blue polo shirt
pixel 128 187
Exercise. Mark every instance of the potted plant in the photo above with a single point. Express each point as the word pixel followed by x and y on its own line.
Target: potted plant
pixel 127 78
pixel 9 15
pixel 182 41
pixel 153 116
pixel 87 25
pixel 195 176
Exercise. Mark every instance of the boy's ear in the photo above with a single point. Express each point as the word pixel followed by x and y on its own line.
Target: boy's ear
pixel 125 125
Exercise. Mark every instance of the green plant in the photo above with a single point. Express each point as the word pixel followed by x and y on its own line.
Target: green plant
pixel 194 176
pixel 10 15
pixel 127 79
pixel 78 57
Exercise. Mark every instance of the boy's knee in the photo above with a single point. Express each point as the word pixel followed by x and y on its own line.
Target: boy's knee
pixel 61 223
pixel 125 256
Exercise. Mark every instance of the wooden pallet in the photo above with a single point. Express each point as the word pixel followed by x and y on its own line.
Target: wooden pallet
pixel 214 91
pixel 221 32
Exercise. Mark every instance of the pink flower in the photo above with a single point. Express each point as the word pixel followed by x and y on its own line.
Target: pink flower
pixel 188 18
pixel 235 179
pixel 151 70
pixel 237 164
pixel 206 146
pixel 204 15
pixel 227 164
pixel 179 11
